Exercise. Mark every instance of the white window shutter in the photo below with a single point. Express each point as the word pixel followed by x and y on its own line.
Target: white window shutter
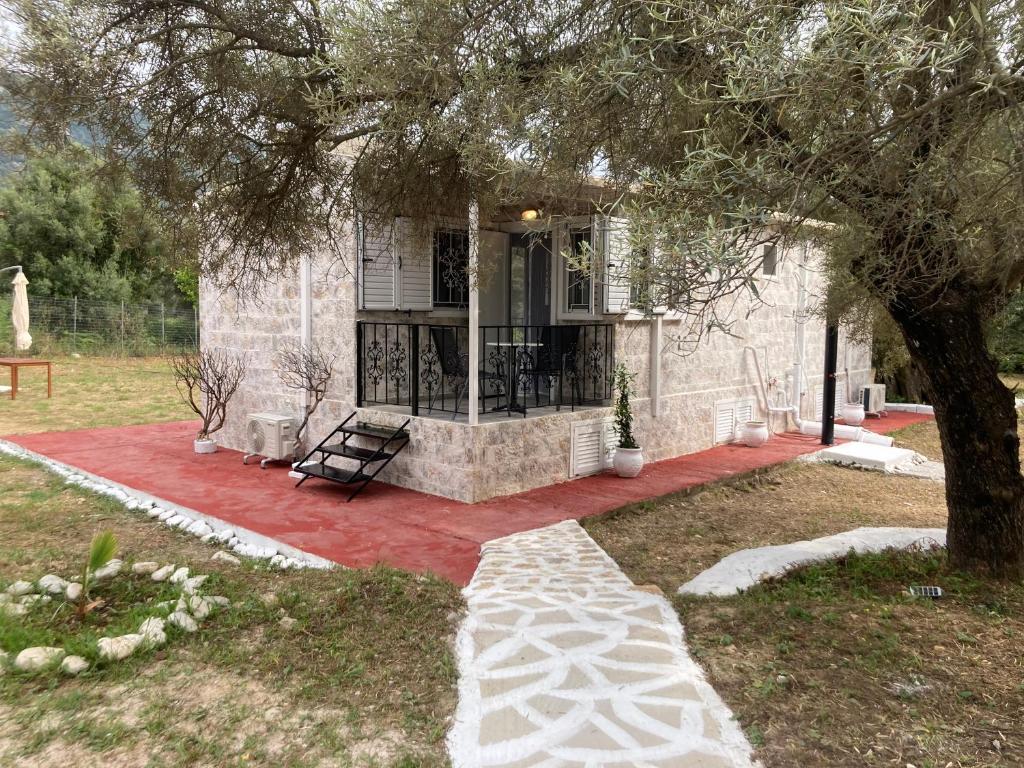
pixel 378 271
pixel 615 251
pixel 744 412
pixel 415 260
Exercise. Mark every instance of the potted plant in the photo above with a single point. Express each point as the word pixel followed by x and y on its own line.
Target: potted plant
pixel 628 459
pixel 206 381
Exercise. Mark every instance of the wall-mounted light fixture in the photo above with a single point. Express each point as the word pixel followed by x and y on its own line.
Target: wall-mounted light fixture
pixel 529 214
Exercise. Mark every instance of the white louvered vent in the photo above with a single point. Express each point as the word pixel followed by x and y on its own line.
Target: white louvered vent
pixel 729 414
pixel 819 403
pixel 591 448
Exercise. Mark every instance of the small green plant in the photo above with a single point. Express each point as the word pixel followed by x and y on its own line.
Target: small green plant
pixel 623 415
pixel 101 552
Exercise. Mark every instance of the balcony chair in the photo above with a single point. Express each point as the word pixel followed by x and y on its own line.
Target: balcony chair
pixel 556 360
pixel 455 367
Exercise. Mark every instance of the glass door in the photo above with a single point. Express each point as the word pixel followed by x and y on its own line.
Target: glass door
pixel 530 279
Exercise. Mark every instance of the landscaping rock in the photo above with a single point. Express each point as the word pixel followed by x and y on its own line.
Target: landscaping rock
pixel 184 523
pixel 220 600
pixel 167 514
pixel 190 585
pixel 183 621
pixel 269 599
pixel 36 659
pixel 174 519
pixel 108 571
pixel 199 528
pixel 19 588
pixel 206 538
pixel 156 511
pixel 279 561
pixel 72 591
pixel 199 607
pixel 52 584
pixel 162 574
pixel 153 630
pixel 5 598
pixel 117 648
pixel 13 609
pixel 287 622
pixel 29 600
pixel 145 569
pixel 179 576
pixel 225 557
pixel 74 665
pixel 223 536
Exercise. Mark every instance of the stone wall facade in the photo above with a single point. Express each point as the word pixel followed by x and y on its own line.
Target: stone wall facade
pixel 475 463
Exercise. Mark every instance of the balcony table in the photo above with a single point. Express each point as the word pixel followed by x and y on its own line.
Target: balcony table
pixel 513 374
pixel 14 363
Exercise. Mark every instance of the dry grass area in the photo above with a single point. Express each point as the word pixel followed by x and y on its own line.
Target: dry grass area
pixel 835 665
pixel 668 542
pixel 92 392
pixel 364 677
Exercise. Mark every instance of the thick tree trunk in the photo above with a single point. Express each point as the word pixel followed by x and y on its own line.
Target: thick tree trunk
pixel 977 425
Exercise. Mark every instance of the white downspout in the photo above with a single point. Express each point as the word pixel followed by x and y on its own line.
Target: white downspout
pixel 655 367
pixel 305 311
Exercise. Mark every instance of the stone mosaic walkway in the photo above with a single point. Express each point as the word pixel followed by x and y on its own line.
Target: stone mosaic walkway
pixel 565 663
pixel 742 570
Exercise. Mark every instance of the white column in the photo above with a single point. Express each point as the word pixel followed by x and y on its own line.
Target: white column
pixel 474 313
pixel 655 366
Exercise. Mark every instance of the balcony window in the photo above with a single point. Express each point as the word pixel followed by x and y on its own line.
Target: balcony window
pixel 578 280
pixel 451 269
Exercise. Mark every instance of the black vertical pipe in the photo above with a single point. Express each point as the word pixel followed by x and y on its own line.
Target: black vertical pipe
pixel 414 369
pixel 828 417
pixel 359 364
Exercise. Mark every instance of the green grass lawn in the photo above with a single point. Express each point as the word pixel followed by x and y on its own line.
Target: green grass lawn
pixel 92 392
pixel 364 677
pixel 835 665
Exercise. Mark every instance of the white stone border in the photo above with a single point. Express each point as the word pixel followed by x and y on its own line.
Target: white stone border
pixel 744 569
pixel 910 408
pixel 207 528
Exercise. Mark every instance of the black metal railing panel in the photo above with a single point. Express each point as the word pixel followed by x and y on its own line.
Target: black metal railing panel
pixel 425 367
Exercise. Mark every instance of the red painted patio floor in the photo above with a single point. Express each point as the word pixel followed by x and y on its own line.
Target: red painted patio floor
pixel 402 528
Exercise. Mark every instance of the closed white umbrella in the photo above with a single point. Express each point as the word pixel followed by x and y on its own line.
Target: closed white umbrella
pixel 19 312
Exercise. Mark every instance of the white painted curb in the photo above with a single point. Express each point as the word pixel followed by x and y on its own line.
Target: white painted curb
pixel 742 570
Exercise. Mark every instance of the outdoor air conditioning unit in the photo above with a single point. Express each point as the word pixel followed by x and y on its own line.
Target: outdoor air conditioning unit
pixel 271 435
pixel 873 398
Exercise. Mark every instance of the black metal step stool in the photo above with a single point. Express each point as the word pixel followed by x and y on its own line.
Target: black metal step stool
pixel 393 439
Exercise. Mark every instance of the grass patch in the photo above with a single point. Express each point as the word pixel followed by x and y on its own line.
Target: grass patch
pixel 364 677
pixel 836 664
pixel 93 392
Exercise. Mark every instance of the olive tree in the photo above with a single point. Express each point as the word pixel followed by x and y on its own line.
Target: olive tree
pixel 895 126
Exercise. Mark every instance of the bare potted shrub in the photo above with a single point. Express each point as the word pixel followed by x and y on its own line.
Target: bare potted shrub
pixel 207 380
pixel 628 459
pixel 306 368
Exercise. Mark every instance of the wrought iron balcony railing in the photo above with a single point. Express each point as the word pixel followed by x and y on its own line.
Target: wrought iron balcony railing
pixel 426 367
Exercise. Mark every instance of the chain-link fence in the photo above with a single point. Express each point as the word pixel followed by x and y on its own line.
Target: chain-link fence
pixel 102 328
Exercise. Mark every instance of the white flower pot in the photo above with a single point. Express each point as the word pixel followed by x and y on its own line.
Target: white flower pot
pixel 753 434
pixel 853 414
pixel 204 446
pixel 628 461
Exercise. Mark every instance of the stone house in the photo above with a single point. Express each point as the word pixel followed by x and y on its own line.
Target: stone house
pixel 407 325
